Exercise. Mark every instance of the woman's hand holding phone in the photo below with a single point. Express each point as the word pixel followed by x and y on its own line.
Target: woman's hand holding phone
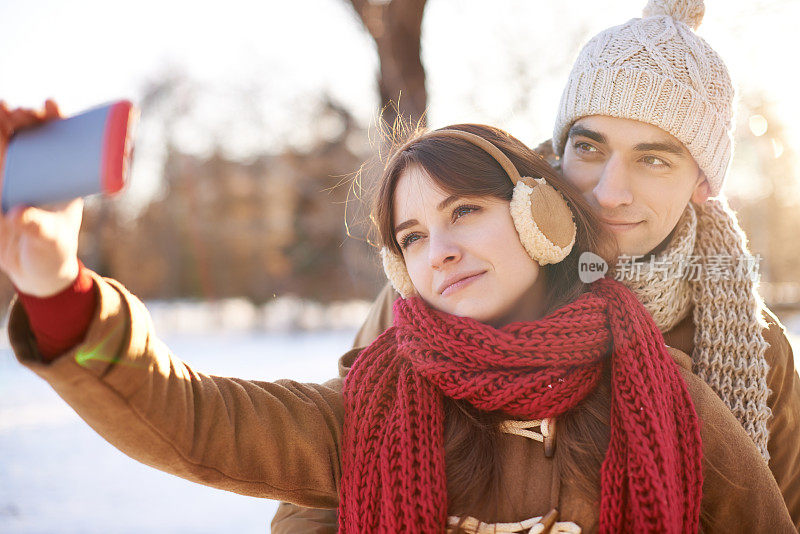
pixel 38 246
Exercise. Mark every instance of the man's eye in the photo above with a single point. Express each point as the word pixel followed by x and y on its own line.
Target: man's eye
pixel 463 210
pixel 584 147
pixel 654 161
pixel 408 239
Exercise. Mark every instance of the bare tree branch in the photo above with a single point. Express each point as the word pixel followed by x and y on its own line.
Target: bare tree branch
pixel 396 27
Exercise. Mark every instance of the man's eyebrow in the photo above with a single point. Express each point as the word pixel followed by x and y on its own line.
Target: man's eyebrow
pixel 659 146
pixel 586 132
pixel 411 222
pixel 666 146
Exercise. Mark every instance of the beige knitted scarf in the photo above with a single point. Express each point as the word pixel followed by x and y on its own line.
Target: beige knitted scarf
pixel 706 267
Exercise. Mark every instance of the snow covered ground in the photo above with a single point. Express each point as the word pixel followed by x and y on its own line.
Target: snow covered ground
pixel 58 476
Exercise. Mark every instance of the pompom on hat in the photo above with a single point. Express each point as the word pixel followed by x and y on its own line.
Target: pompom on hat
pixel 690 12
pixel 541 216
pixel 657 70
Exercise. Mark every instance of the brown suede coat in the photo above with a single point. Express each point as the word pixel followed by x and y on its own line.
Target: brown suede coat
pixel 784 427
pixel 282 440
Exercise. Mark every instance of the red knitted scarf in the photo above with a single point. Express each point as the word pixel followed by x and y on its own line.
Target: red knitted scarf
pixel 393 454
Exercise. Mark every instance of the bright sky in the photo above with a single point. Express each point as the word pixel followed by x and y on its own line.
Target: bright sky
pixel 502 62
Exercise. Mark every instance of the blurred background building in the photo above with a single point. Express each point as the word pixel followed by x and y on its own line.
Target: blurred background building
pixel 257 118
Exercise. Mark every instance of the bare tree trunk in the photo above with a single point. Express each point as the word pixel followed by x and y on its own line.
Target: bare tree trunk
pixel 396 27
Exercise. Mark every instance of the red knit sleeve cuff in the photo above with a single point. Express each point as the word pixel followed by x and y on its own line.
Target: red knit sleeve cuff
pixel 61 321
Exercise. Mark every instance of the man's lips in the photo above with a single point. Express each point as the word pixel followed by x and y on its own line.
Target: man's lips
pixel 457 281
pixel 620 225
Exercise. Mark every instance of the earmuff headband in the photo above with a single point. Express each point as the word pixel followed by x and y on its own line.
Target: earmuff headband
pixel 487 146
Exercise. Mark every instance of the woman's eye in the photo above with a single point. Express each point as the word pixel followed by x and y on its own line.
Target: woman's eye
pixel 654 161
pixel 408 239
pixel 463 210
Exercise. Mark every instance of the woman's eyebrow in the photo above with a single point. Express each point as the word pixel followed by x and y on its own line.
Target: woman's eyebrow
pixel 406 224
pixel 446 202
pixel 441 206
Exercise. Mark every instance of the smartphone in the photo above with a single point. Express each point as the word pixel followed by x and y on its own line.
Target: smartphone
pixel 64 159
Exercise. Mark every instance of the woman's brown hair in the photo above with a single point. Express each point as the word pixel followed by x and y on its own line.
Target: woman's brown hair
pixel 471 436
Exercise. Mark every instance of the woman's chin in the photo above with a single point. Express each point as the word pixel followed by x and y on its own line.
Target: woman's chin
pixel 473 308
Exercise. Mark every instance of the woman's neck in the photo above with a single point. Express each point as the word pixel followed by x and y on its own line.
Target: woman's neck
pixel 530 307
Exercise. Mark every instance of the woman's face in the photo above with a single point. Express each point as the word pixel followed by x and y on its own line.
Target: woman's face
pixel 463 253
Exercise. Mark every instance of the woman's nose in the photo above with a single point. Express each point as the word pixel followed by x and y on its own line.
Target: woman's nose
pixel 443 249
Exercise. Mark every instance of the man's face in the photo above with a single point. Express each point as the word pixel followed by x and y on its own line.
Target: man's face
pixel 637 176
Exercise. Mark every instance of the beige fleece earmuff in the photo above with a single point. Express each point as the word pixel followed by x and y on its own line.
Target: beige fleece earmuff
pixel 541 216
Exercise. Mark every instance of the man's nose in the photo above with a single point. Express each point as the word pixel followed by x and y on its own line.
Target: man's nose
pixel 614 187
pixel 443 249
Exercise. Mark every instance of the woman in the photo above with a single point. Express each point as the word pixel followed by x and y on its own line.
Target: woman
pixel 506 391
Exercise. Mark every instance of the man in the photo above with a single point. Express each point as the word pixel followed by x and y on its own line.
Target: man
pixel 644 129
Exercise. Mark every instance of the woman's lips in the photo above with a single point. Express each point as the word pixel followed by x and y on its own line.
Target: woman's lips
pixel 459 283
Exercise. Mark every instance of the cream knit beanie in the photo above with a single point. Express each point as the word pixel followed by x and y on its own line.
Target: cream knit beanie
pixel 657 70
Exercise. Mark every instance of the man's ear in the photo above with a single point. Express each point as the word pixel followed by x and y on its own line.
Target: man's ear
pixel 702 189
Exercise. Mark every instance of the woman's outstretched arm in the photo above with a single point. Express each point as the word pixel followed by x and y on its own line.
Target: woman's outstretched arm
pixel 277 440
